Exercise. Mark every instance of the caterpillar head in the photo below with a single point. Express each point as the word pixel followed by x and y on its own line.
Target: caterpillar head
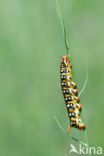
pixel 65 59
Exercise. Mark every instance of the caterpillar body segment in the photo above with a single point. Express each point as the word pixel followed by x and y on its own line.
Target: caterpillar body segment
pixel 68 84
pixel 70 93
pixel 70 98
pixel 73 105
pixel 66 77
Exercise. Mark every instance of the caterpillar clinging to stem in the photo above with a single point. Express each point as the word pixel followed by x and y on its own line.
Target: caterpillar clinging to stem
pixel 68 84
pixel 70 93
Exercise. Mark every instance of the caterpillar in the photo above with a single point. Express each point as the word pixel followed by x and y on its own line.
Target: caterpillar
pixel 70 92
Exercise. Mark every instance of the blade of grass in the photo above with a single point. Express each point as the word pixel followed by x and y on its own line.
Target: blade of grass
pixel 84 86
pixel 68 53
pixel 62 26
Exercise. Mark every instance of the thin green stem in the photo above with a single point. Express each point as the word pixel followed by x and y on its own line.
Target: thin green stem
pixel 62 26
pixel 68 53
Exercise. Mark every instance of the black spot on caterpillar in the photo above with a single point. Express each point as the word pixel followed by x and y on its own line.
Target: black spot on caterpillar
pixel 70 93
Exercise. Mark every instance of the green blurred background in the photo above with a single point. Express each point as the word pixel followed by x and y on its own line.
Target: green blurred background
pixel 31 45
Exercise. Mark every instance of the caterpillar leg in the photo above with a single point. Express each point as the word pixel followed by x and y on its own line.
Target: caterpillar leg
pixel 80 106
pixel 82 126
pixel 69 128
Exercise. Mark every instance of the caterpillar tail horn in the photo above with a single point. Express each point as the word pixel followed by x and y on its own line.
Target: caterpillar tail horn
pixel 69 129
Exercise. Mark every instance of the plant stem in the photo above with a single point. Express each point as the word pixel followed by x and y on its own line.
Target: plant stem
pixel 62 26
